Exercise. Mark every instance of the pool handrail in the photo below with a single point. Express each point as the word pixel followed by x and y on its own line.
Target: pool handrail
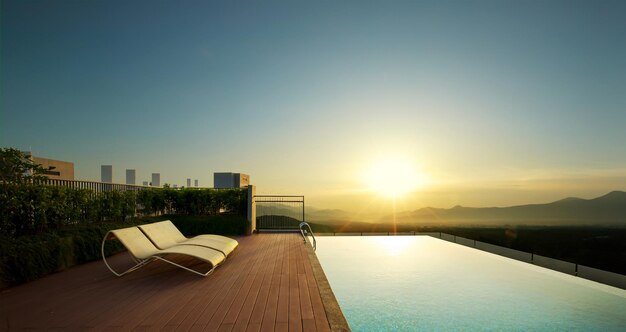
pixel 303 231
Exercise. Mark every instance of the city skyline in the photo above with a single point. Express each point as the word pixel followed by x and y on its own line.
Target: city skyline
pixel 481 103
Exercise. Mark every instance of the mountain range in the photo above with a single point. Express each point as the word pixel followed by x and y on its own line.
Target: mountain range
pixel 609 209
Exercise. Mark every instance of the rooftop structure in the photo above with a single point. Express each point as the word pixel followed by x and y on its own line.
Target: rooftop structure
pixel 223 180
pixel 54 169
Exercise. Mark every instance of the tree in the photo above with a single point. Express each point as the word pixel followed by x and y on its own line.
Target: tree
pixel 16 167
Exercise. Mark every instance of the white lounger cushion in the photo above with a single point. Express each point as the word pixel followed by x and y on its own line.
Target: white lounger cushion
pixel 164 235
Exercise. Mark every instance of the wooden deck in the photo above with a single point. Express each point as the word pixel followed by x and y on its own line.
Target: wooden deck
pixel 267 284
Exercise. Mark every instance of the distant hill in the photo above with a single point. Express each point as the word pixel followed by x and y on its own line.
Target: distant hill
pixel 314 214
pixel 609 209
pixel 277 222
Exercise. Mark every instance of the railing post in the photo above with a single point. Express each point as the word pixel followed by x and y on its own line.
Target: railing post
pixel 251 210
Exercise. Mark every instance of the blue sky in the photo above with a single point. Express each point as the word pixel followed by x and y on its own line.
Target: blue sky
pixel 496 102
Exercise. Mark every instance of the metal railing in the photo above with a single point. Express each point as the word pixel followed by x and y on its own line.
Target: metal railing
pixel 303 230
pixel 93 185
pixel 279 212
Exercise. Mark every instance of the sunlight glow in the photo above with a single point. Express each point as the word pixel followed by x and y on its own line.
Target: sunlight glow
pixel 394 245
pixel 394 178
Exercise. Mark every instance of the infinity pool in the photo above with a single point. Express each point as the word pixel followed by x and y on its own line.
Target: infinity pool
pixel 409 283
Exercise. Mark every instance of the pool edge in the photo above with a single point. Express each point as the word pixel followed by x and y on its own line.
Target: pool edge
pixel 336 319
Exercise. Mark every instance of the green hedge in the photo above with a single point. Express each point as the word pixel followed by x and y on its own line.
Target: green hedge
pixel 36 209
pixel 193 201
pixel 29 257
pixel 222 224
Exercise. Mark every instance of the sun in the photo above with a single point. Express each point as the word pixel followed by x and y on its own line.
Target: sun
pixel 393 177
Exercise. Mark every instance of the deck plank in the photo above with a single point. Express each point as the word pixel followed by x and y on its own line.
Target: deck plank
pixel 167 318
pixel 200 298
pixel 271 308
pixel 295 315
pixel 249 302
pixel 267 284
pixel 200 315
pixel 231 314
pixel 305 299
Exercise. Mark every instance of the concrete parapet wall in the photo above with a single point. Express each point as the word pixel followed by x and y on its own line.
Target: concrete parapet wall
pixel 555 264
pixel 506 252
pixel 432 234
pixel 448 237
pixel 605 277
pixel 465 242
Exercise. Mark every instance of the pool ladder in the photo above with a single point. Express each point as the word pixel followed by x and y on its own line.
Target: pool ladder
pixel 303 230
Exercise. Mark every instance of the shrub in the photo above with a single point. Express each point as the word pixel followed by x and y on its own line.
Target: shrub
pixel 34 209
pixel 224 224
pixel 29 257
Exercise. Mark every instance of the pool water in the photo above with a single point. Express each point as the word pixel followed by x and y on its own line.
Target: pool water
pixel 419 283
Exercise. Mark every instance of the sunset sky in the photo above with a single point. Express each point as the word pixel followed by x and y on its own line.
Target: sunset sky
pixel 478 103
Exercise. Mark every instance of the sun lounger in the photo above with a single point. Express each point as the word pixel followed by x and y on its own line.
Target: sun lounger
pixel 143 251
pixel 164 234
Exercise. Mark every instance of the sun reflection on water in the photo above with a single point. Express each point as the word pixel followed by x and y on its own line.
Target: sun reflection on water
pixel 394 245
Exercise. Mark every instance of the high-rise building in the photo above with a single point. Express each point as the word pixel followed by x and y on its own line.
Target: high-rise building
pixel 106 173
pixel 156 179
pixel 130 176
